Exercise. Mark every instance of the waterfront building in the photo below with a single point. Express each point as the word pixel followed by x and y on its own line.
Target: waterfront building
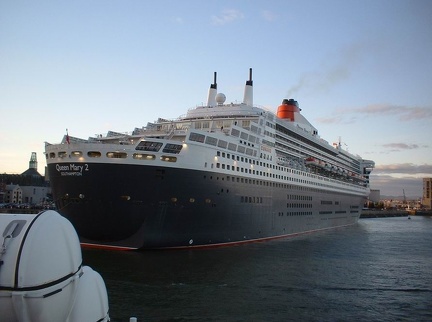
pixel 29 187
pixel 12 194
pixel 374 195
pixel 427 193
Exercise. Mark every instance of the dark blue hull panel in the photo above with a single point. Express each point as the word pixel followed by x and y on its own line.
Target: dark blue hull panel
pixel 153 207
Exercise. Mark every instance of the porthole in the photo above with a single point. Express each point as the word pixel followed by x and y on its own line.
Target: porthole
pixel 168 158
pixel 94 154
pixel 117 155
pixel 143 156
pixel 76 153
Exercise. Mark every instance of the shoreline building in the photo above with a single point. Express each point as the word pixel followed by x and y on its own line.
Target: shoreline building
pixel 12 194
pixel 30 187
pixel 427 193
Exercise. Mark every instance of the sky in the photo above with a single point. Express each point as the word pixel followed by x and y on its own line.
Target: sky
pixel 360 70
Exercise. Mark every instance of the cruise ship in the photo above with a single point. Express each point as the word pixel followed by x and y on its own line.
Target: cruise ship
pixel 223 174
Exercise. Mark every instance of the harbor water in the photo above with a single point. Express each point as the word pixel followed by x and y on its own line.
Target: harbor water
pixel 377 270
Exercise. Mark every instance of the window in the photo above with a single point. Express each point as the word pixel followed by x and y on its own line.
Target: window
pixel 210 140
pixel 232 146
pixel 197 137
pixel 235 132
pixel 117 155
pixel 222 144
pixel 149 146
pixel 168 158
pixel 76 154
pixel 94 154
pixel 172 148
pixel 143 156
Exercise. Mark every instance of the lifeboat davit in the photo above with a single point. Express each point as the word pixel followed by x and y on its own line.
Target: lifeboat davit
pixel 287 109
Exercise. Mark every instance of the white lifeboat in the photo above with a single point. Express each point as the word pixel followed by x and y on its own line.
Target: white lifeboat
pixel 41 273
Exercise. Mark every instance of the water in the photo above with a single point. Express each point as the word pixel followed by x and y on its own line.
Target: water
pixel 377 270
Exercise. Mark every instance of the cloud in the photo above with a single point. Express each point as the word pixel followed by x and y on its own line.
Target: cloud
pixel 337 119
pixel 329 120
pixel 405 113
pixel 227 16
pixel 396 186
pixel 400 146
pixel 393 179
pixel 328 77
pixel 405 168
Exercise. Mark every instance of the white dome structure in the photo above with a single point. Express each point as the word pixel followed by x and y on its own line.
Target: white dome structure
pixel 41 273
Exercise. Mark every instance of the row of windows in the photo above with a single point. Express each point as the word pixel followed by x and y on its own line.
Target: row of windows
pixel 326 202
pixel 142 146
pixel 113 155
pixel 299 205
pixel 201 138
pixel 268 174
pixel 251 161
pixel 156 146
pixel 350 162
pixel 245 199
pixel 269 184
pixel 299 197
pixel 149 146
pixel 296 213
pixel 272 166
pixel 191 200
pixel 286 186
pixel 299 213
pixel 219 124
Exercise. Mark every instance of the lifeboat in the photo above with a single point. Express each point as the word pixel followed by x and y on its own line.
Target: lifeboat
pixel 41 272
pixel 310 161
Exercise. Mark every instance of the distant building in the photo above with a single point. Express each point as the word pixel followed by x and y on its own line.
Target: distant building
pixel 12 194
pixel 28 187
pixel 374 195
pixel 427 193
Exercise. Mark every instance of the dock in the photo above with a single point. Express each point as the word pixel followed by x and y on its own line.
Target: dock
pixel 393 213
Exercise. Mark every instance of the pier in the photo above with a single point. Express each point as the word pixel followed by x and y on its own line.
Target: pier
pixel 394 213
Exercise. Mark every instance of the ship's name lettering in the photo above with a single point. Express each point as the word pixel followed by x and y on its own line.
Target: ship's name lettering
pixel 72 167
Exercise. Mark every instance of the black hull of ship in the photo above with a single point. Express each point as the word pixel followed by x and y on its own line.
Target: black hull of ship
pixel 148 207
